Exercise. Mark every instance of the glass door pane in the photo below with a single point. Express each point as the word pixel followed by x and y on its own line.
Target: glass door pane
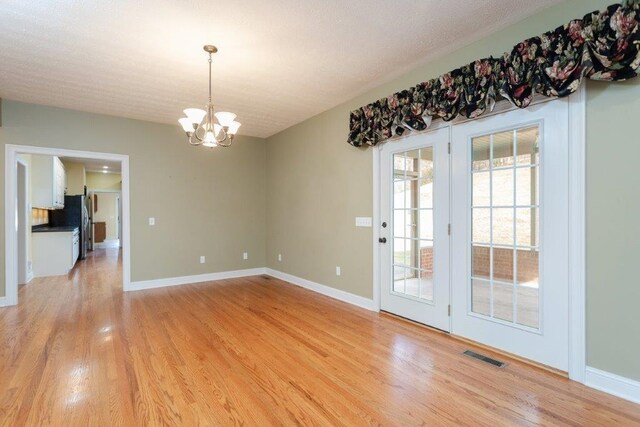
pixel 504 226
pixel 413 223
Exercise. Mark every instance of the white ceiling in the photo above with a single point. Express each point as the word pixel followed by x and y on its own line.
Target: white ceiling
pixel 280 61
pixel 94 165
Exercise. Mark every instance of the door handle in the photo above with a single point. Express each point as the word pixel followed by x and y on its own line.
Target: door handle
pixel 382 240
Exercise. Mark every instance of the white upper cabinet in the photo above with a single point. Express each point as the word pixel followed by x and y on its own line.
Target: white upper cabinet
pixel 48 182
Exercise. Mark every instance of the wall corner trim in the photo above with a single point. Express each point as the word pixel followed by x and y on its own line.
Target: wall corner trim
pixel 187 280
pixel 613 384
pixel 577 235
pixel 334 293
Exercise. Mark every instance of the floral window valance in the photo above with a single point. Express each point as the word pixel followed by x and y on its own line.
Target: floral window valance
pixel 604 45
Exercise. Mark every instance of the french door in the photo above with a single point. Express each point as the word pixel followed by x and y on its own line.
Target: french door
pixel 510 232
pixel 414 230
pixel 481 232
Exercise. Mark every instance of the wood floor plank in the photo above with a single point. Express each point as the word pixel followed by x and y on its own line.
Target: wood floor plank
pixel 255 351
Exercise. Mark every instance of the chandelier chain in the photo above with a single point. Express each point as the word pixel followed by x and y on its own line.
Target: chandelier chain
pixel 210 54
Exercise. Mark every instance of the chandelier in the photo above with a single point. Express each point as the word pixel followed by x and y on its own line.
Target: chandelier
pixel 206 128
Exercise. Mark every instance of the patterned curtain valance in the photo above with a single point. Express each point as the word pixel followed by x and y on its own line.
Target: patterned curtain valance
pixel 603 45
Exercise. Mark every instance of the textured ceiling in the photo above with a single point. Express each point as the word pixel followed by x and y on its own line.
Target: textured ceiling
pixel 280 62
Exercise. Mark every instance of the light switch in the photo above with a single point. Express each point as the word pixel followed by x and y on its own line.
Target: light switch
pixel 279 257
pixel 152 221
pixel 202 259
pixel 245 255
pixel 363 221
pixel 338 271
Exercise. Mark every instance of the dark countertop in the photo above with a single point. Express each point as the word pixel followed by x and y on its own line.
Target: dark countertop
pixel 48 229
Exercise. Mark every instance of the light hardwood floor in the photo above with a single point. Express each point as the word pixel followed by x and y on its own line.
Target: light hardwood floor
pixel 77 351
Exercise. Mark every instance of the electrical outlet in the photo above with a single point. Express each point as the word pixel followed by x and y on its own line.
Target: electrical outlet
pixel 245 255
pixel 152 221
pixel 338 271
pixel 279 257
pixel 202 259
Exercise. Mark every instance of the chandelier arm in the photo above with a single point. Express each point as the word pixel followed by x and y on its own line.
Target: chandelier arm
pixel 222 135
pixel 198 140
pixel 228 138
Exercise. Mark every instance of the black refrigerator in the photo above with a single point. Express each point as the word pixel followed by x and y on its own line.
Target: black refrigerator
pixel 74 214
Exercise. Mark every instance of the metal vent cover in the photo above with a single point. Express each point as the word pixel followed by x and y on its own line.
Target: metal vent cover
pixel 486 359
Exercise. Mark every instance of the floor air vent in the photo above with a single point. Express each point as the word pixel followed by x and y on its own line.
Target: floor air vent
pixel 494 362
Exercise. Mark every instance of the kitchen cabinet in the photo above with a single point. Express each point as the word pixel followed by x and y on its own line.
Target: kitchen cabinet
pixel 75 251
pixel 55 251
pixel 48 182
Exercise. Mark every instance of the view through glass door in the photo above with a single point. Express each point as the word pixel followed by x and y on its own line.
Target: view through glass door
pixel 414 230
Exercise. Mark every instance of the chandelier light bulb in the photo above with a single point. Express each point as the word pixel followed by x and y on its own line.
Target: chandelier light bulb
pixel 210 140
pixel 225 118
pixel 209 137
pixel 186 124
pixel 195 115
pixel 217 129
pixel 233 128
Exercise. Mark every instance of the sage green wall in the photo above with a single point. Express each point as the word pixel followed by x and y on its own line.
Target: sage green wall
pixel 613 228
pixel 107 212
pixel 104 181
pixel 206 202
pixel 76 178
pixel 317 184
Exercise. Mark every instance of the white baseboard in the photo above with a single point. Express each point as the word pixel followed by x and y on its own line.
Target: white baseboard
pixel 4 301
pixel 347 297
pixel 613 384
pixel 184 280
pixel 304 283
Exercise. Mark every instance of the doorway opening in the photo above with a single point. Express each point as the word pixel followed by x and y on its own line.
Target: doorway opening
pixel 106 218
pixel 49 216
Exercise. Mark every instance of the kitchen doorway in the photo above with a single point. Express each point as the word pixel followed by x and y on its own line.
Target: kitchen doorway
pixel 54 202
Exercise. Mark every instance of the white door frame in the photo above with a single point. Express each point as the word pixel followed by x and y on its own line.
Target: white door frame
pixel 577 226
pixel 22 226
pixel 118 206
pixel 10 205
pixel 436 138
